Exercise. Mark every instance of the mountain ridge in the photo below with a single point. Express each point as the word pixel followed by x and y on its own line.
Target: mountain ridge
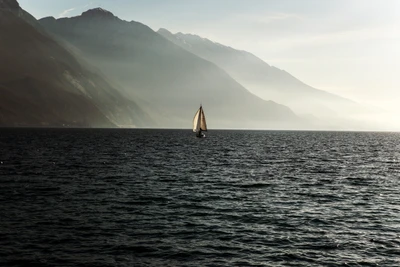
pixel 42 84
pixel 9 4
pixel 165 75
pixel 272 82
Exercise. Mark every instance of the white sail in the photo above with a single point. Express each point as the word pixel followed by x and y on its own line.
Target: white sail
pixel 199 121
pixel 196 119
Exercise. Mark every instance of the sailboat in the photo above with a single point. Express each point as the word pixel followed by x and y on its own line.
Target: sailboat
pixel 199 123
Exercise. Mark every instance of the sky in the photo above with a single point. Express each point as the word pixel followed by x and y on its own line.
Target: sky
pixel 347 47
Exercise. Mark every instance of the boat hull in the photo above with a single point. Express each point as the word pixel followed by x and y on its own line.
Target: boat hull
pixel 200 135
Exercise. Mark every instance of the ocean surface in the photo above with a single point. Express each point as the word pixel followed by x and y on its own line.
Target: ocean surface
pixel 96 197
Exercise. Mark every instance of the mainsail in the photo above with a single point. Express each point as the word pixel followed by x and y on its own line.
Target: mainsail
pixel 199 121
pixel 196 120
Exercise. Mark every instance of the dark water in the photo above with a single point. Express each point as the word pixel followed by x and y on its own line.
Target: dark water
pixel 166 198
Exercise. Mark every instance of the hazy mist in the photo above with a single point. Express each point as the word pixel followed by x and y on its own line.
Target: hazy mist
pixel 303 65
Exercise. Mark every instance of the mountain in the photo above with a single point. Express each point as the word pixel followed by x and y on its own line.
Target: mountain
pixel 264 80
pixel 43 84
pixel 169 81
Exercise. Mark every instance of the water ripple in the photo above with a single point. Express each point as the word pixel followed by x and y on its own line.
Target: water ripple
pixel 71 197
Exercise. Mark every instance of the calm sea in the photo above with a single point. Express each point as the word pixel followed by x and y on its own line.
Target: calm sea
pixel 91 197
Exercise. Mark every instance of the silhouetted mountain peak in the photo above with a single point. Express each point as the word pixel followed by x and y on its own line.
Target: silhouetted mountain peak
pixel 98 13
pixel 9 4
pixel 50 18
pixel 188 39
pixel 13 7
pixel 164 31
pixel 190 35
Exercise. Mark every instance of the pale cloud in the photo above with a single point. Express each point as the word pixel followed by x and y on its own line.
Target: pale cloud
pixel 91 3
pixel 65 12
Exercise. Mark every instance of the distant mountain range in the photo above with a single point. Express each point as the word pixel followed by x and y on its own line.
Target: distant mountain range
pixel 264 80
pixel 42 84
pixel 171 81
pixel 96 70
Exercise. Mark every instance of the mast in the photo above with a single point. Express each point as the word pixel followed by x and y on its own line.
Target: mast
pixel 199 119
